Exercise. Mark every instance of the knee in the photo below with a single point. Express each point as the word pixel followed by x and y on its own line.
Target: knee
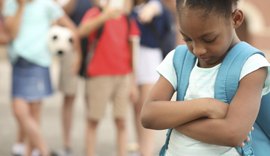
pixel 20 110
pixel 92 124
pixel 120 124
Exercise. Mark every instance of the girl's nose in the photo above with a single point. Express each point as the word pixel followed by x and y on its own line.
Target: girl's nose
pixel 198 50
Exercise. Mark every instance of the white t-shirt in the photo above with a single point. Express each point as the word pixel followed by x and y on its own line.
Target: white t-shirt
pixel 204 79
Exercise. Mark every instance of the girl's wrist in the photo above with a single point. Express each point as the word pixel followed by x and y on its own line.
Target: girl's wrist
pixel 208 108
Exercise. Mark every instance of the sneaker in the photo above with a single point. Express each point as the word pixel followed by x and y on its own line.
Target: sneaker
pixel 35 152
pixel 63 152
pixel 18 149
pixel 134 154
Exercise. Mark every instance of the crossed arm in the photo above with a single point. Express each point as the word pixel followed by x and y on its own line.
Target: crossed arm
pixel 202 119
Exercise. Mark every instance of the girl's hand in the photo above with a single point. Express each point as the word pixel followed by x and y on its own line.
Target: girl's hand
pixel 247 139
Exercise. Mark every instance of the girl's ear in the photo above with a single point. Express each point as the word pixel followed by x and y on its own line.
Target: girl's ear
pixel 237 17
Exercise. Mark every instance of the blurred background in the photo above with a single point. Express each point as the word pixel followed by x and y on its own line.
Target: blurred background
pixel 255 30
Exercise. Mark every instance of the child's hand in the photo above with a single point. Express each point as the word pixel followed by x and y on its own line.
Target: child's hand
pixel 148 12
pixel 247 139
pixel 112 13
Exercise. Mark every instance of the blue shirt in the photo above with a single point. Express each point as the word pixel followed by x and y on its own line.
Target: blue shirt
pixel 31 40
pixel 149 36
pixel 80 9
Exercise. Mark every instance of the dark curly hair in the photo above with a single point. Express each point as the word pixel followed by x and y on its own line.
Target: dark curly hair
pixel 224 7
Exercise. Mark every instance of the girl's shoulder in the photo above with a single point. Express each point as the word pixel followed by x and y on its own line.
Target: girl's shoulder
pixel 253 63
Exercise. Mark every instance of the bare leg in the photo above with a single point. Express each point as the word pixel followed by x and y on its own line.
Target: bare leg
pixel 145 136
pixel 67 114
pixel 121 137
pixel 22 112
pixel 21 134
pixel 35 110
pixel 19 146
pixel 91 135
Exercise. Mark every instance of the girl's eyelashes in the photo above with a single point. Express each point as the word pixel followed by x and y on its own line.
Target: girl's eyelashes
pixel 205 39
pixel 209 40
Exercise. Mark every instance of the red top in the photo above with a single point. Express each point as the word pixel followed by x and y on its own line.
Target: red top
pixel 112 55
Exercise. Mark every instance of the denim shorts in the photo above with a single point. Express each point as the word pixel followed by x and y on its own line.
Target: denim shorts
pixel 30 82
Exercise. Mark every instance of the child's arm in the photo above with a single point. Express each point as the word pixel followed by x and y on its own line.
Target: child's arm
pixel 234 128
pixel 69 6
pixel 13 23
pixel 150 10
pixel 159 112
pixel 87 27
pixel 4 37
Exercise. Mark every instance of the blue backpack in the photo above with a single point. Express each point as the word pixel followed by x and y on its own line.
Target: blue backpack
pixel 226 85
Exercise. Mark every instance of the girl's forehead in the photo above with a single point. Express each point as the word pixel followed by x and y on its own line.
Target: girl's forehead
pixel 197 21
pixel 199 15
pixel 191 14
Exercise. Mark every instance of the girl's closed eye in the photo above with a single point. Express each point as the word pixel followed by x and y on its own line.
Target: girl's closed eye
pixel 210 39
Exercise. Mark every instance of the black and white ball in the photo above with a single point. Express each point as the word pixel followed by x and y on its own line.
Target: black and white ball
pixel 60 40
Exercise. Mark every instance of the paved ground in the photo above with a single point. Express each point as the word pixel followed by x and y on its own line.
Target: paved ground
pixel 51 120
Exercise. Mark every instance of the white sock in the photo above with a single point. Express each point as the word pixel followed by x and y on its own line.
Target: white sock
pixel 18 148
pixel 35 152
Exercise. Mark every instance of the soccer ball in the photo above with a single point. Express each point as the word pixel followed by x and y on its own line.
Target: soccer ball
pixel 60 40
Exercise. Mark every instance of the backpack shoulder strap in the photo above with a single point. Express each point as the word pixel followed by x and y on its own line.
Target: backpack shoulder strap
pixel 183 62
pixel 227 80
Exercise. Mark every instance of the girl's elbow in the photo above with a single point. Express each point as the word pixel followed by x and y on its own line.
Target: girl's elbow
pixel 148 119
pixel 146 123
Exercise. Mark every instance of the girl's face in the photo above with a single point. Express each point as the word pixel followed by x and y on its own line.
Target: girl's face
pixel 208 36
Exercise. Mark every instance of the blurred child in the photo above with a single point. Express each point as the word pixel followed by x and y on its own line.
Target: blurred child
pixel 150 19
pixel 109 32
pixel 28 22
pixel 68 80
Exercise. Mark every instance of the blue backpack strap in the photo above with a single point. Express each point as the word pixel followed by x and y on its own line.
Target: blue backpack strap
pixel 264 115
pixel 227 80
pixel 183 62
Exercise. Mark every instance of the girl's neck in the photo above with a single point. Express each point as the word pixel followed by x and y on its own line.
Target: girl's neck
pixel 235 41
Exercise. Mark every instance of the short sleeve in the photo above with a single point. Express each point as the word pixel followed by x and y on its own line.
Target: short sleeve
pixel 255 62
pixel 134 30
pixel 166 69
pixel 93 12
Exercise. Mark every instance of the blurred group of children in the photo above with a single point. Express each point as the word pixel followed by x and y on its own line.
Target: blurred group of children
pixel 116 52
